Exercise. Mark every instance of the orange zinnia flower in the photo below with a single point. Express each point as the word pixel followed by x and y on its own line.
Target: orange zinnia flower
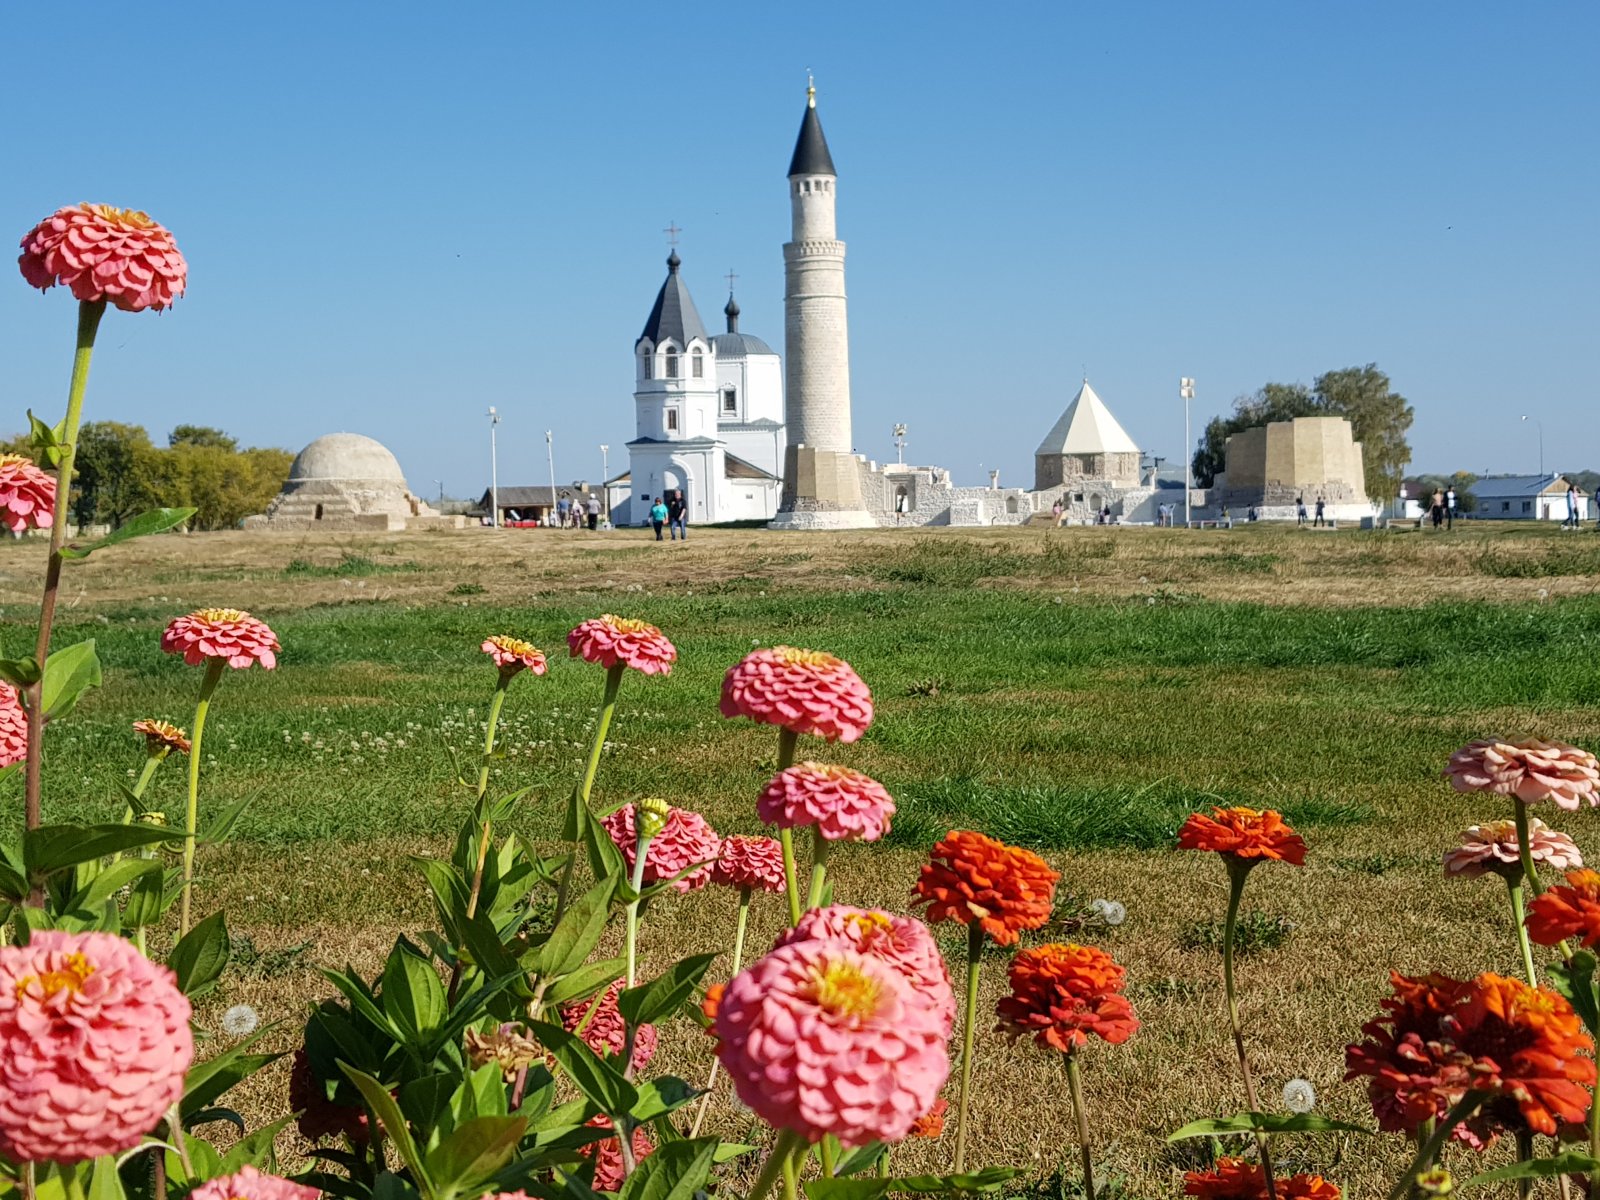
pixel 1062 994
pixel 1236 1179
pixel 931 1123
pixel 1244 835
pixel 713 997
pixel 1567 910
pixel 974 878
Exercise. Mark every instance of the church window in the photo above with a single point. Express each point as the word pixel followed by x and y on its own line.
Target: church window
pixel 672 420
pixel 730 400
pixel 672 364
pixel 697 364
pixel 644 365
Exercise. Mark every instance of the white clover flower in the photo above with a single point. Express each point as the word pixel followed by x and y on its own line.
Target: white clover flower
pixel 240 1020
pixel 1299 1096
pixel 1111 912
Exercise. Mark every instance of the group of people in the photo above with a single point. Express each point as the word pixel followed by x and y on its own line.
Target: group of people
pixel 671 510
pixel 574 514
pixel 1101 517
pixel 1300 512
pixel 1442 508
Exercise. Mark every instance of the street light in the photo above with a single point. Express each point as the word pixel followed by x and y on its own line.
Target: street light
pixel 1186 390
pixel 605 477
pixel 900 445
pixel 494 471
pixel 550 453
pixel 1540 424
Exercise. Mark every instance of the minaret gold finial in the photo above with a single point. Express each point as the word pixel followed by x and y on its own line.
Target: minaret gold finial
pixel 811 90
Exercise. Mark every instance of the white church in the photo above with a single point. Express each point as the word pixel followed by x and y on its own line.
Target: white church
pixel 708 413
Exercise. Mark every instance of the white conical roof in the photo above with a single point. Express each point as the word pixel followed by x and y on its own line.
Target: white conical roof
pixel 1087 427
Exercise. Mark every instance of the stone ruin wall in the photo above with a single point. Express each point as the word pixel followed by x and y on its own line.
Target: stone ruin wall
pixel 1273 465
pixel 1054 470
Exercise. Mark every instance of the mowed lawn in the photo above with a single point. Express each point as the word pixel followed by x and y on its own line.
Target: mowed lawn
pixel 1076 691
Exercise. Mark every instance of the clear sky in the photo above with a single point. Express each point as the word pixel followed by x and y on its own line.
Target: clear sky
pixel 398 214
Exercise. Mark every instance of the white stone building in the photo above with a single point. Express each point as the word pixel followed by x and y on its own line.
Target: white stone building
pixel 708 416
pixel 345 481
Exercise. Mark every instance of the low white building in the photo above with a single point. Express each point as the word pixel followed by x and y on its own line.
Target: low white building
pixel 1525 498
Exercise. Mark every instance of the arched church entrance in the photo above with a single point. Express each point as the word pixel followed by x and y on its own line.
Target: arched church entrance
pixel 677 477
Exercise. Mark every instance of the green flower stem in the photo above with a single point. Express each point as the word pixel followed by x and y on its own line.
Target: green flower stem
pixel 883 1163
pixel 638 885
pixel 1530 877
pixel 782 1151
pixel 89 314
pixel 975 937
pixel 791 879
pixel 791 1174
pixel 151 762
pixel 826 1150
pixel 738 961
pixel 1428 1151
pixel 608 706
pixel 191 818
pixel 1524 1154
pixel 485 830
pixel 71 1185
pixel 1517 915
pixel 1238 872
pixel 1081 1115
pixel 819 867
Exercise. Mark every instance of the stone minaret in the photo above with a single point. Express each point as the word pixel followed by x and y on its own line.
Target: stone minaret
pixel 821 476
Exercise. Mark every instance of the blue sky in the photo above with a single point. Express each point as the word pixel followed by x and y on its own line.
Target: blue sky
pixel 396 215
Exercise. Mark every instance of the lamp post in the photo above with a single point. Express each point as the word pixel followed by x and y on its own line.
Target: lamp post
pixel 605 480
pixel 1186 390
pixel 494 471
pixel 900 445
pixel 550 454
pixel 1540 426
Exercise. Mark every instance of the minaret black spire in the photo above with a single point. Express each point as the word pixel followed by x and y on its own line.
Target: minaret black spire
pixel 811 155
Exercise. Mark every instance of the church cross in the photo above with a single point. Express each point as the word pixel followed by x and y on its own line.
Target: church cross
pixel 731 277
pixel 672 231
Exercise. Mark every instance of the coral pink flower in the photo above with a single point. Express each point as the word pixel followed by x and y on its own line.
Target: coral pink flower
pixel 607 1154
pixel 607 1032
pixel 1493 847
pixel 904 943
pixel 13 727
pixel 513 654
pixel 687 838
pixel 319 1116
pixel 27 495
pixel 610 640
pixel 225 633
pixel 247 1183
pixel 1531 770
pixel 105 253
pixel 803 691
pixel 840 802
pixel 94 1043
pixel 750 862
pixel 819 1039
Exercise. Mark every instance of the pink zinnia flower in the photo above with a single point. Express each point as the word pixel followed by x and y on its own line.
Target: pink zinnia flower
pixel 902 942
pixel 105 253
pixel 1493 847
pixel 94 1043
pixel 225 633
pixel 610 640
pixel 1531 770
pixel 840 802
pixel 13 727
pixel 247 1183
pixel 750 862
pixel 607 1031
pixel 820 1039
pixel 27 495
pixel 804 691
pixel 687 838
pixel 607 1154
pixel 513 654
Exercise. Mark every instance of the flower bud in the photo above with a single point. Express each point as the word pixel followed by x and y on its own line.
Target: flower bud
pixel 653 814
pixel 1436 1182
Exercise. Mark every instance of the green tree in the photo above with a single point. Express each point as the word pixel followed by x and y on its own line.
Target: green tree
pixel 1379 419
pixel 201 435
pixel 118 474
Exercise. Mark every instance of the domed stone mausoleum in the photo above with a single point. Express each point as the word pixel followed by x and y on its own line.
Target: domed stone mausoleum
pixel 344 481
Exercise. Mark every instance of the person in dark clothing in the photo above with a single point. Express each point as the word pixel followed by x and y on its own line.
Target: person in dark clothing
pixel 678 514
pixel 1320 510
pixel 1300 510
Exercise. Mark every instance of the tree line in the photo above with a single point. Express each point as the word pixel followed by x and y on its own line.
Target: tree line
pixel 1379 417
pixel 122 473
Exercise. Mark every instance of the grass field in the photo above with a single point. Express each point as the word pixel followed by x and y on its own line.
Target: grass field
pixel 1078 691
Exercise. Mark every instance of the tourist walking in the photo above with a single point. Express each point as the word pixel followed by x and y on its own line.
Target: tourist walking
pixel 593 506
pixel 1299 510
pixel 1436 508
pixel 1572 508
pixel 1055 511
pixel 1320 511
pixel 658 516
pixel 1450 507
pixel 678 515
pixel 562 505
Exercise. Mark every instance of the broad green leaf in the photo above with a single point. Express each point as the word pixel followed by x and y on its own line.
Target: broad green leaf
pixel 217 832
pixel 20 672
pixel 46 440
pixel 200 956
pixel 661 1095
pixel 146 902
pixel 113 879
pixel 576 819
pixel 254 1149
pixel 361 1000
pixel 157 520
pixel 989 1179
pixel 207 1081
pixel 585 981
pixel 662 996
pixel 388 1113
pixel 596 1079
pixel 673 1172
pixel 485 950
pixel 728 1151
pixel 1573 1162
pixel 105 1183
pixel 575 935
pixel 50 848
pixel 605 860
pixel 68 674
pixel 1575 981
pixel 474 1152
pixel 13 886
pixel 1256 1122
pixel 413 995
pixel 862 1158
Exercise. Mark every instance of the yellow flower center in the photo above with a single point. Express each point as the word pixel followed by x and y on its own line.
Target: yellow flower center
pixel 626 624
pixel 72 975
pixel 842 989
pixel 130 217
pixel 14 460
pixel 515 646
pixel 869 925
pixel 805 658
pixel 220 616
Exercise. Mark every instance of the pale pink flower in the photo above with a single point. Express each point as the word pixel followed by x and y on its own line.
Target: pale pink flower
pixel 1493 847
pixel 686 839
pixel 840 802
pixel 513 654
pixel 610 640
pixel 820 1039
pixel 247 1183
pixel 94 1043
pixel 750 862
pixel 902 942
pixel 1531 770
pixel 804 691
pixel 607 1155
pixel 607 1031
pixel 225 633
pixel 27 495
pixel 13 727
pixel 105 253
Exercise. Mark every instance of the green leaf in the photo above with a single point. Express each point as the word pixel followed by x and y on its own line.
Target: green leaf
pixel 576 819
pixel 576 934
pixel 217 832
pixel 660 1096
pixel 46 440
pixel 605 860
pixel 673 1172
pixel 113 879
pixel 255 1149
pixel 989 1179
pixel 105 1183
pixel 209 1080
pixel 20 672
pixel 474 1152
pixel 157 520
pixel 1575 981
pixel 663 995
pixel 596 1079
pixel 68 674
pixel 862 1158
pixel 481 941
pixel 1573 1162
pixel 585 981
pixel 361 1000
pixel 388 1113
pixel 49 848
pixel 146 902
pixel 200 956
pixel 412 995
pixel 1255 1122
